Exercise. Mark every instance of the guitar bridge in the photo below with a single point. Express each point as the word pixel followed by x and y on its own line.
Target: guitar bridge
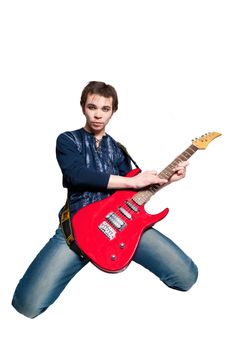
pixel 107 230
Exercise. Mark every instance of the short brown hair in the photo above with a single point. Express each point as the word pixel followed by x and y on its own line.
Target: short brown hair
pixel 102 89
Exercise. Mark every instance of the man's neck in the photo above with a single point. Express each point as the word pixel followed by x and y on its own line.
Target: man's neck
pixel 96 134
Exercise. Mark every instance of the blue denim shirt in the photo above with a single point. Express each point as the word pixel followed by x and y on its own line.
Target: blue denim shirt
pixel 85 169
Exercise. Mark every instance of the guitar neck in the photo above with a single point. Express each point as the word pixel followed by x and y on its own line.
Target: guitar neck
pixel 143 196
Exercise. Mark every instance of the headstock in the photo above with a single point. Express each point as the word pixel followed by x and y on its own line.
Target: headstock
pixel 203 141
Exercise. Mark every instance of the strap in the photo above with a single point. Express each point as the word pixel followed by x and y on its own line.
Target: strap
pixel 66 227
pixel 128 155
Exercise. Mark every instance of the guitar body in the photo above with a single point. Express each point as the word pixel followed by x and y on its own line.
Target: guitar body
pixel 108 231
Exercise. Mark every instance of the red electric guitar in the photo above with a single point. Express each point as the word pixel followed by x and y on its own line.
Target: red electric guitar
pixel 108 231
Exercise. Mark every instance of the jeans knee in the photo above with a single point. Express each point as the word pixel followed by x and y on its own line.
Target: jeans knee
pixel 189 279
pixel 25 309
pixel 183 281
pixel 193 277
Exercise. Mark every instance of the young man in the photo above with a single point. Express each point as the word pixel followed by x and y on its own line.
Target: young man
pixel 93 165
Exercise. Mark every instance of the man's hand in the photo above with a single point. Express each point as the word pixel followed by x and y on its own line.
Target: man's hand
pixel 180 172
pixel 146 178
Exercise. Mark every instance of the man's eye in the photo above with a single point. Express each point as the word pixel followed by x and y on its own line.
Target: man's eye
pixel 91 107
pixel 106 109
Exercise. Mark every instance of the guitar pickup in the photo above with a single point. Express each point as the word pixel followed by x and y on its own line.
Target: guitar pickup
pixel 125 213
pixel 115 220
pixel 132 206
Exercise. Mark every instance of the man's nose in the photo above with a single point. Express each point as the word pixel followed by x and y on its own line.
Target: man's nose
pixel 98 114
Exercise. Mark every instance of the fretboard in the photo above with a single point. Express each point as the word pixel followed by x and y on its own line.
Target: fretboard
pixel 143 196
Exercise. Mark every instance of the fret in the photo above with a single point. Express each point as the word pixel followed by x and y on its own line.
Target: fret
pixel 186 154
pixel 182 157
pixel 193 148
pixel 165 174
pixel 172 166
pixel 142 197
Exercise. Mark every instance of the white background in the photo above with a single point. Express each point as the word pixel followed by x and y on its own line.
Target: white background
pixel 171 63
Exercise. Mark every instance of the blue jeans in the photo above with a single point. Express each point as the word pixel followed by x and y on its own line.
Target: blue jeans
pixel 56 265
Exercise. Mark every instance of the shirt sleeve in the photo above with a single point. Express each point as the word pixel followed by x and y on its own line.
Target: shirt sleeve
pixel 72 164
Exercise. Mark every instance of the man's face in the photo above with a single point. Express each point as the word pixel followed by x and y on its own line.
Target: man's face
pixel 98 111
